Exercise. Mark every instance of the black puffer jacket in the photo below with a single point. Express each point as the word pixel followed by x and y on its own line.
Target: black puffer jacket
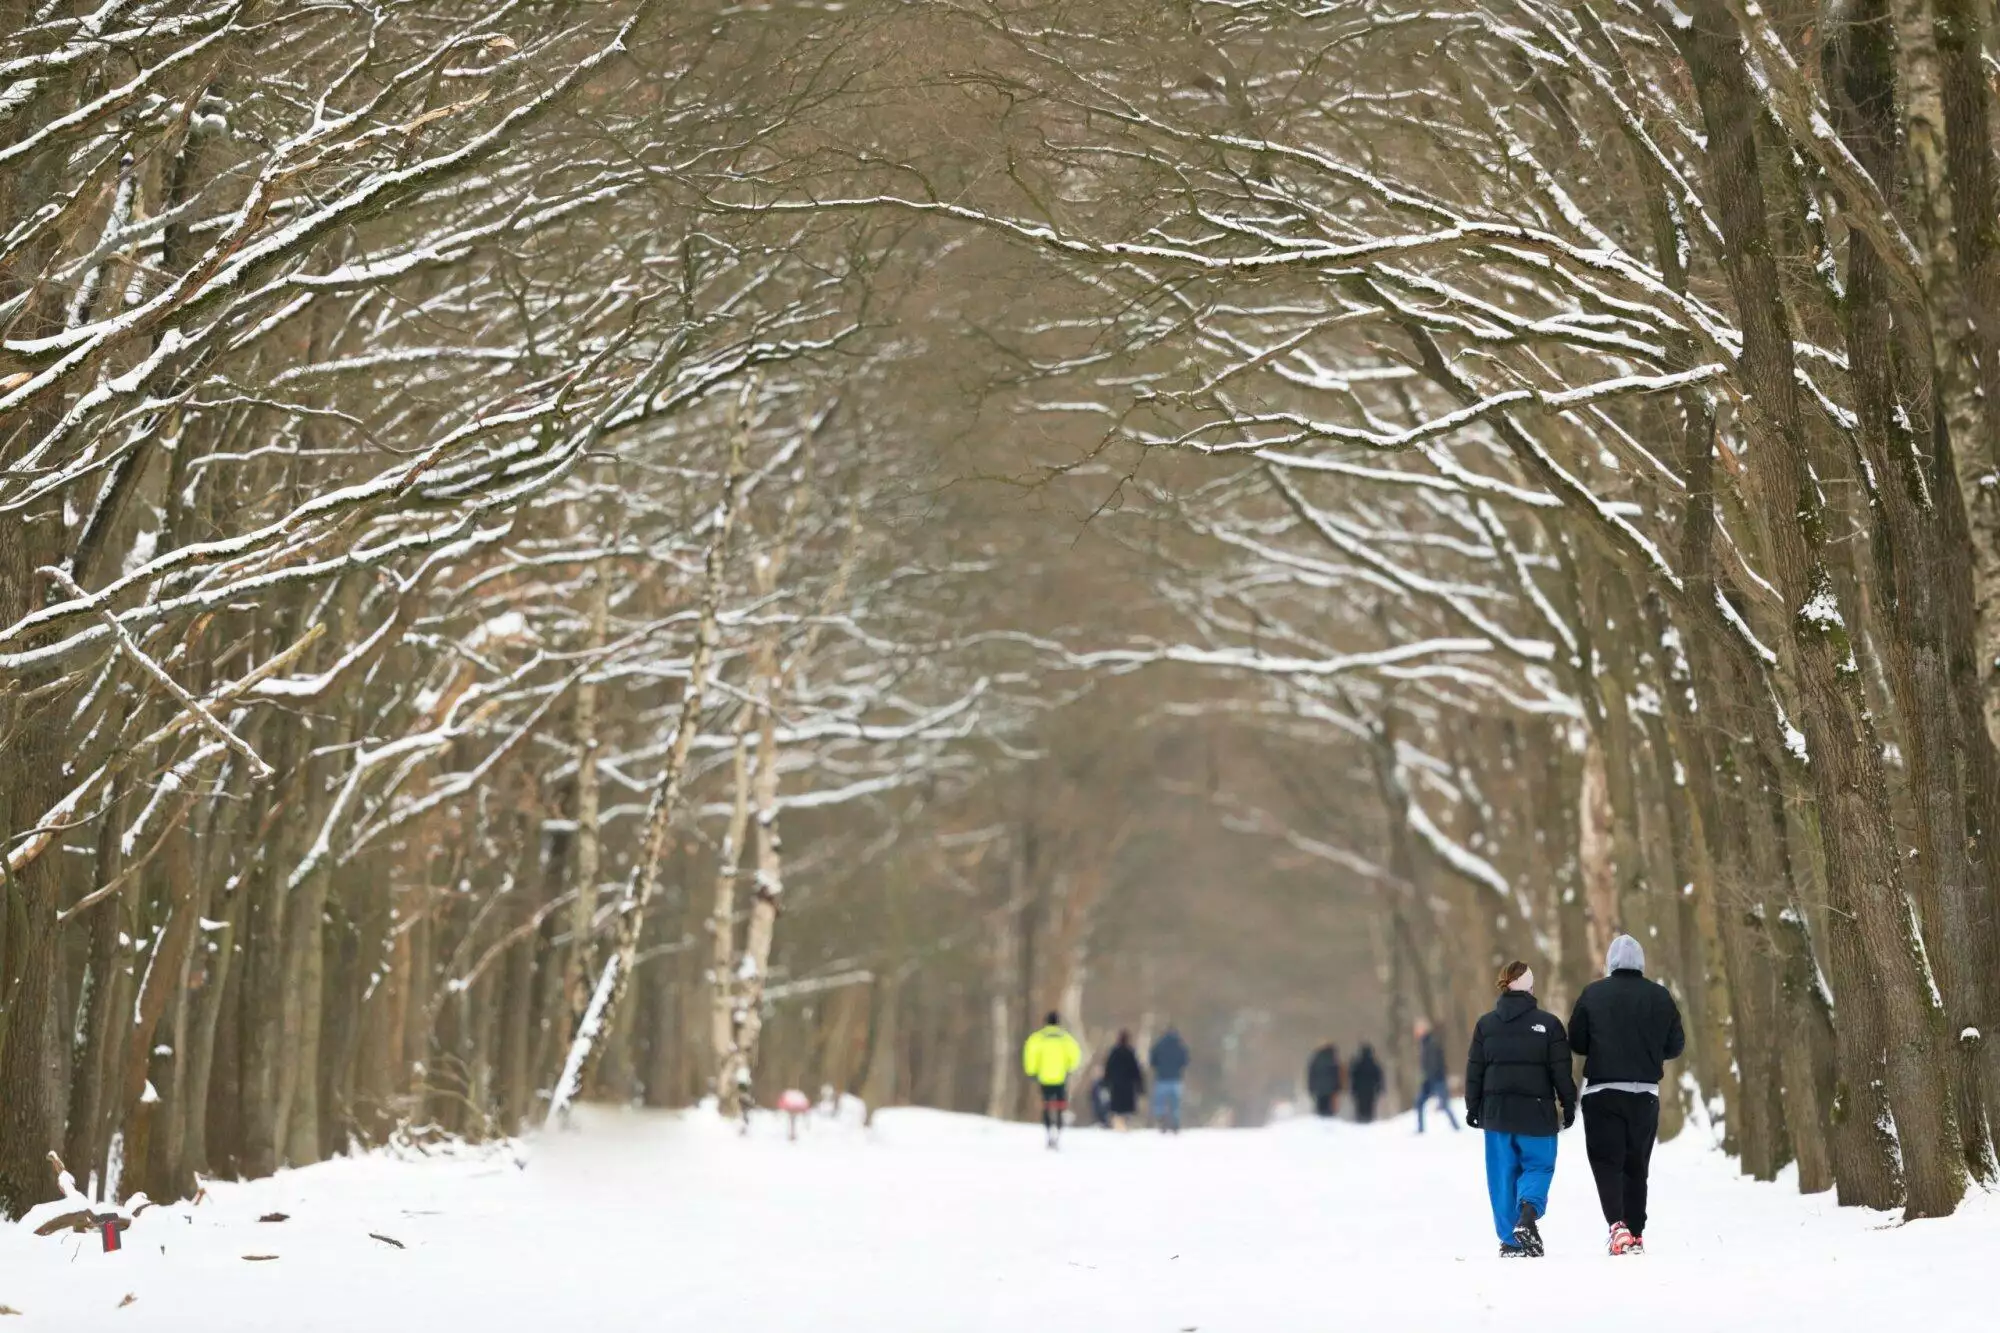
pixel 1517 1075
pixel 1323 1073
pixel 1626 1028
pixel 1364 1076
pixel 1125 1079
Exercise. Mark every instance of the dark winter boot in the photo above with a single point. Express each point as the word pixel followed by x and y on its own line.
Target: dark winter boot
pixel 1526 1234
pixel 1512 1252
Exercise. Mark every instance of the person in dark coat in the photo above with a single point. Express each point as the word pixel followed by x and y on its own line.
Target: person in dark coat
pixel 1323 1080
pixel 1125 1080
pixel 1100 1100
pixel 1364 1080
pixel 1626 1028
pixel 1169 1059
pixel 1430 1063
pixel 1518 1088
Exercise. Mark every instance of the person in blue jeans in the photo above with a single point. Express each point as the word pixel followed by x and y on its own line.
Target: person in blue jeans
pixel 1430 1062
pixel 1520 1091
pixel 1169 1059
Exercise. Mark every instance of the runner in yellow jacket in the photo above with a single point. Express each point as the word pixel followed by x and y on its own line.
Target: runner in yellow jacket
pixel 1049 1057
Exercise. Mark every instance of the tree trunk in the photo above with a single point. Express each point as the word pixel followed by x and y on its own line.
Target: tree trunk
pixel 261 1013
pixel 664 805
pixel 216 978
pixel 1806 1054
pixel 1594 851
pixel 141 1113
pixel 725 1063
pixel 773 676
pixel 1864 872
pixel 1002 1076
pixel 1959 27
pixel 84 1144
pixel 880 1069
pixel 1890 360
pixel 173 1176
pixel 32 749
pixel 589 835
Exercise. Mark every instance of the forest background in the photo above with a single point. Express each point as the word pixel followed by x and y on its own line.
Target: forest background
pixel 1236 512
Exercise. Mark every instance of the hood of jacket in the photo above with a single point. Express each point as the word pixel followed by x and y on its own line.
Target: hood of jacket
pixel 1624 955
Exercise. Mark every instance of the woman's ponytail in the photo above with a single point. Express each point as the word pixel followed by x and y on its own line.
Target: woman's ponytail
pixel 1510 974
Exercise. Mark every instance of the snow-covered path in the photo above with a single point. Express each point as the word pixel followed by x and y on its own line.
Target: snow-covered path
pixel 939 1223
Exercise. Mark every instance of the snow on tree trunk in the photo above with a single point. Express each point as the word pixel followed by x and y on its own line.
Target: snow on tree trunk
pixel 664 805
pixel 589 836
pixel 1594 851
pixel 753 968
pixel 721 977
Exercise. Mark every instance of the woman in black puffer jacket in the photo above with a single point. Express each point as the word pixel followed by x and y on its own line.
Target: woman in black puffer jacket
pixel 1519 1089
pixel 1125 1079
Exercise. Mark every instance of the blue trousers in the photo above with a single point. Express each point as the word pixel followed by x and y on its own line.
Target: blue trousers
pixel 1434 1088
pixel 1167 1100
pixel 1519 1168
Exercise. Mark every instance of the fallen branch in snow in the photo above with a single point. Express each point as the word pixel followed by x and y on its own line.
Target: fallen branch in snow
pixel 74 1212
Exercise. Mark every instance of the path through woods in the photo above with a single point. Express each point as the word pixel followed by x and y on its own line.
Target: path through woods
pixel 942 1222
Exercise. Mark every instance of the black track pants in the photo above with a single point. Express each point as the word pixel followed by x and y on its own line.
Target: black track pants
pixel 1618 1133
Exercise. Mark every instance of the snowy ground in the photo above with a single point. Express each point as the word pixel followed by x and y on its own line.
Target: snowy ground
pixel 941 1223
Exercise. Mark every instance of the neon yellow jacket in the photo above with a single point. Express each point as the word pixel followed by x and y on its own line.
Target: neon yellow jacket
pixel 1050 1056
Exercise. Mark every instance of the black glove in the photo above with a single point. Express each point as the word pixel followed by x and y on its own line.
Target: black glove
pixel 1471 1118
pixel 1569 1116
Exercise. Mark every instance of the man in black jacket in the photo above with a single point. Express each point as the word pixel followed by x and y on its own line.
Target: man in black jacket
pixel 1626 1028
pixel 1430 1064
pixel 1169 1059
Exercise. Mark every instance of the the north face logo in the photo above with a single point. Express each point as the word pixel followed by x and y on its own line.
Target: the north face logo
pixel 1540 1028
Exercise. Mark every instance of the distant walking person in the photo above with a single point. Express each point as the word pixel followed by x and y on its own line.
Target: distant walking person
pixel 1323 1076
pixel 1364 1080
pixel 1125 1081
pixel 1519 1090
pixel 1050 1056
pixel 1100 1099
pixel 1169 1059
pixel 1626 1028
pixel 1430 1060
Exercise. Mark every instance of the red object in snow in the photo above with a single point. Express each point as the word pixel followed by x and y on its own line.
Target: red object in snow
pixel 112 1226
pixel 794 1104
